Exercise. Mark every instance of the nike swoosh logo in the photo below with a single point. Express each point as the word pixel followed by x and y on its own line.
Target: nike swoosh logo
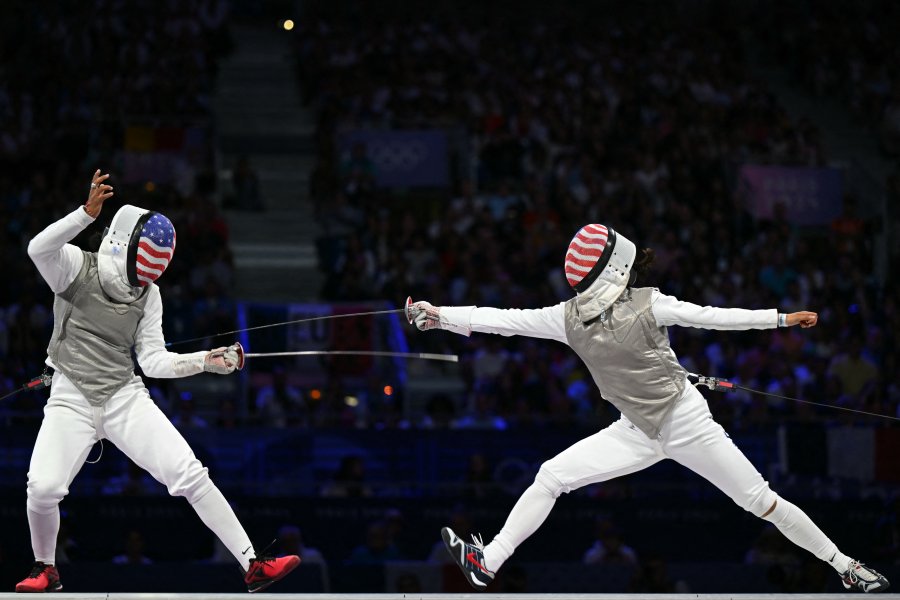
pixel 471 558
pixel 247 550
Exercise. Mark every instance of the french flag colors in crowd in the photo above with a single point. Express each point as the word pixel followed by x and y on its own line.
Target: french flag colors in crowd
pixel 155 248
pixel 585 250
pixel 842 452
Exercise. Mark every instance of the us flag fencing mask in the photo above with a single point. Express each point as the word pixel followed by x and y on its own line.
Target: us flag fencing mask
pixel 598 265
pixel 135 251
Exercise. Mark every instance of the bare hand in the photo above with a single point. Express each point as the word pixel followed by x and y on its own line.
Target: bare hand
pixel 98 194
pixel 804 319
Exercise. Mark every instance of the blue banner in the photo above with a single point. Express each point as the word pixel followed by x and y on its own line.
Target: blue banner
pixel 319 328
pixel 809 196
pixel 411 158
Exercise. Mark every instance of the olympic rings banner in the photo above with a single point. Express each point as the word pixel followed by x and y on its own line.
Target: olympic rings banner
pixel 407 158
pixel 809 196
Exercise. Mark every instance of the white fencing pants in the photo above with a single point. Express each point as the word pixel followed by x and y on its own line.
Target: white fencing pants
pixel 133 422
pixel 689 436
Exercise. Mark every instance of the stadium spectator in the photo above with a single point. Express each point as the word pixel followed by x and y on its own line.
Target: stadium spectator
pixel 349 480
pixel 281 404
pixel 377 547
pixel 134 551
pixel 609 547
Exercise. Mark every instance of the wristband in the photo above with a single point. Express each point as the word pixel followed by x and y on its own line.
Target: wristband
pixel 782 320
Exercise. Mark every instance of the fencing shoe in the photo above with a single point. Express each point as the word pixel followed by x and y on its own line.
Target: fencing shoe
pixel 469 557
pixel 866 579
pixel 265 570
pixel 42 578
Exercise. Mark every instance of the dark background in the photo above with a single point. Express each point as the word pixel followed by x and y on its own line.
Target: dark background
pixel 524 122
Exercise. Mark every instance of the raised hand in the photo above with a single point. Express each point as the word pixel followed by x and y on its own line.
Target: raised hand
pixel 99 193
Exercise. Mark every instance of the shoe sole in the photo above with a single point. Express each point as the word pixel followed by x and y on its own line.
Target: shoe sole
pixel 884 588
pixel 50 590
pixel 263 585
pixel 447 535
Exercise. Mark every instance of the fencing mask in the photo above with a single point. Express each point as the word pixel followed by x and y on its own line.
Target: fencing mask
pixel 135 251
pixel 598 265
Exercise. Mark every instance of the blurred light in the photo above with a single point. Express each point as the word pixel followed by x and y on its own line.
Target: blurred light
pixel 388 390
pixel 854 308
pixel 288 24
pixel 351 400
pixel 186 395
pixel 150 186
pixel 315 394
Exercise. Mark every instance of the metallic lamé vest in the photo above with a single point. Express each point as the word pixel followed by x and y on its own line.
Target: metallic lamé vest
pixel 93 335
pixel 630 359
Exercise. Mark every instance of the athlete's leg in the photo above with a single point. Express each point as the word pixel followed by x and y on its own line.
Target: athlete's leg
pixel 139 428
pixel 617 450
pixel 694 439
pixel 63 443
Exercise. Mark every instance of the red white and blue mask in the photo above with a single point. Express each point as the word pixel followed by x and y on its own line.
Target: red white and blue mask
pixel 135 251
pixel 598 266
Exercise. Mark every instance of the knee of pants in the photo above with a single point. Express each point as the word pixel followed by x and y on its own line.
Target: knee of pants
pixel 44 493
pixel 550 482
pixel 759 500
pixel 193 482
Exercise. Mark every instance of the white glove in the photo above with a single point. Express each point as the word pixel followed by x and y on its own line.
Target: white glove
pixel 223 361
pixel 424 315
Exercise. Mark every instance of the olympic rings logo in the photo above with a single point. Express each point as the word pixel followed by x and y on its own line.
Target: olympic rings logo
pixel 397 155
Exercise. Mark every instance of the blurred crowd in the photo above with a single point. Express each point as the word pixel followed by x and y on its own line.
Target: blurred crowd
pixel 631 121
pixel 104 66
pixel 834 50
pixel 844 51
pixel 627 120
pixel 634 122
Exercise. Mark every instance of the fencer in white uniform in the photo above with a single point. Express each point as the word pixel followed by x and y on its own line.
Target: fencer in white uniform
pixel 620 332
pixel 107 306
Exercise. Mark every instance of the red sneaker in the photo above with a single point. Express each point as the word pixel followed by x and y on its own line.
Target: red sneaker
pixel 265 570
pixel 43 578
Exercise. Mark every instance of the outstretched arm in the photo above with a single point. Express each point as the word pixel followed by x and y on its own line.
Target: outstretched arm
pixel 669 310
pixel 545 323
pixel 159 363
pixel 58 261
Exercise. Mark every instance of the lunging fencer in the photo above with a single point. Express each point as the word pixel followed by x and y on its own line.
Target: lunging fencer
pixel 620 332
pixel 106 306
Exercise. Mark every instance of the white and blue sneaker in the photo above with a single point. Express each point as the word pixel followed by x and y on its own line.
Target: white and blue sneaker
pixel 469 557
pixel 863 578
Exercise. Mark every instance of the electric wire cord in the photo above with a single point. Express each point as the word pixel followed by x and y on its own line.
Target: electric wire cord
pixel 722 385
pixel 37 383
pixel 822 404
pixel 282 323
